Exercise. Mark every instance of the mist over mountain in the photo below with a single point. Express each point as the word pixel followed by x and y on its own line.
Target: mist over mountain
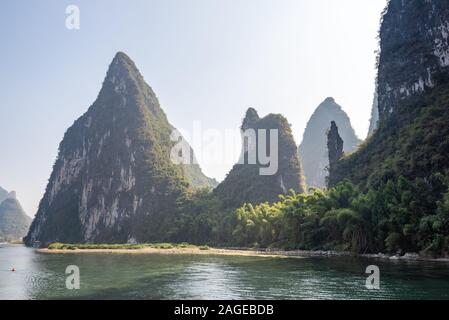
pixel 313 149
pixel 14 223
pixel 6 195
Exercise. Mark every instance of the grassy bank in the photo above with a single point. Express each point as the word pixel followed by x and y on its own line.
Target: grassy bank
pixel 159 248
pixel 190 249
pixel 186 248
pixel 94 246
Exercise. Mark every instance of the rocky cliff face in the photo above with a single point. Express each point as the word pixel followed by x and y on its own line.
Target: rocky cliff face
pixel 245 183
pixel 412 138
pixel 335 149
pixel 113 180
pixel 414 50
pixel 373 122
pixel 313 150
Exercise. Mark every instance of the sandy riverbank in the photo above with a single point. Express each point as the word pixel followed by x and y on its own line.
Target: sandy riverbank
pixel 244 252
pixel 186 251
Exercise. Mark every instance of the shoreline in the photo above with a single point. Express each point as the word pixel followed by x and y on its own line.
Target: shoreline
pixel 247 253
pixel 176 251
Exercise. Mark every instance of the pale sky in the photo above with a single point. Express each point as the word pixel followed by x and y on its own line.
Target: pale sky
pixel 207 61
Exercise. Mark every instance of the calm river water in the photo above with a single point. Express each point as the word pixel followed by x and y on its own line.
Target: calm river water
pixel 125 276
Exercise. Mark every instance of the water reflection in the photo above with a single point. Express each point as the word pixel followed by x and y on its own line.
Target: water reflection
pixel 121 276
pixel 221 280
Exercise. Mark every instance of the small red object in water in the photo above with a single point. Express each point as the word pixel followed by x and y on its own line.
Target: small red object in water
pixel 13 270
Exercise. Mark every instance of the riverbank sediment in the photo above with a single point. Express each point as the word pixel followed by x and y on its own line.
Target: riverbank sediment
pixel 268 253
pixel 174 251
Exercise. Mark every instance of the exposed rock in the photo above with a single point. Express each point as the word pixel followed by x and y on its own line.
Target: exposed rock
pixel 334 147
pixel 250 120
pixel 373 123
pixel 411 256
pixel 414 50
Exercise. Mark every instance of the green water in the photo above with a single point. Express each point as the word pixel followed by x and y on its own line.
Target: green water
pixel 122 276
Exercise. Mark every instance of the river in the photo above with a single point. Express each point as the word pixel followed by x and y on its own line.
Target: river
pixel 160 276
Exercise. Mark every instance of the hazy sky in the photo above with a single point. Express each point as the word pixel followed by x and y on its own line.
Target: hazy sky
pixel 207 61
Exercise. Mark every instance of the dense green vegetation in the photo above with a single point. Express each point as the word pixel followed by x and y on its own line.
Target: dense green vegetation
pixel 397 217
pixel 392 197
pixel 413 142
pixel 401 216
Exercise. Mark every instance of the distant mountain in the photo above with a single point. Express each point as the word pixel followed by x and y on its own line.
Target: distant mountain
pixel 196 177
pixel 14 223
pixel 3 194
pixel 244 183
pixel 114 180
pixel 313 150
pixel 6 195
